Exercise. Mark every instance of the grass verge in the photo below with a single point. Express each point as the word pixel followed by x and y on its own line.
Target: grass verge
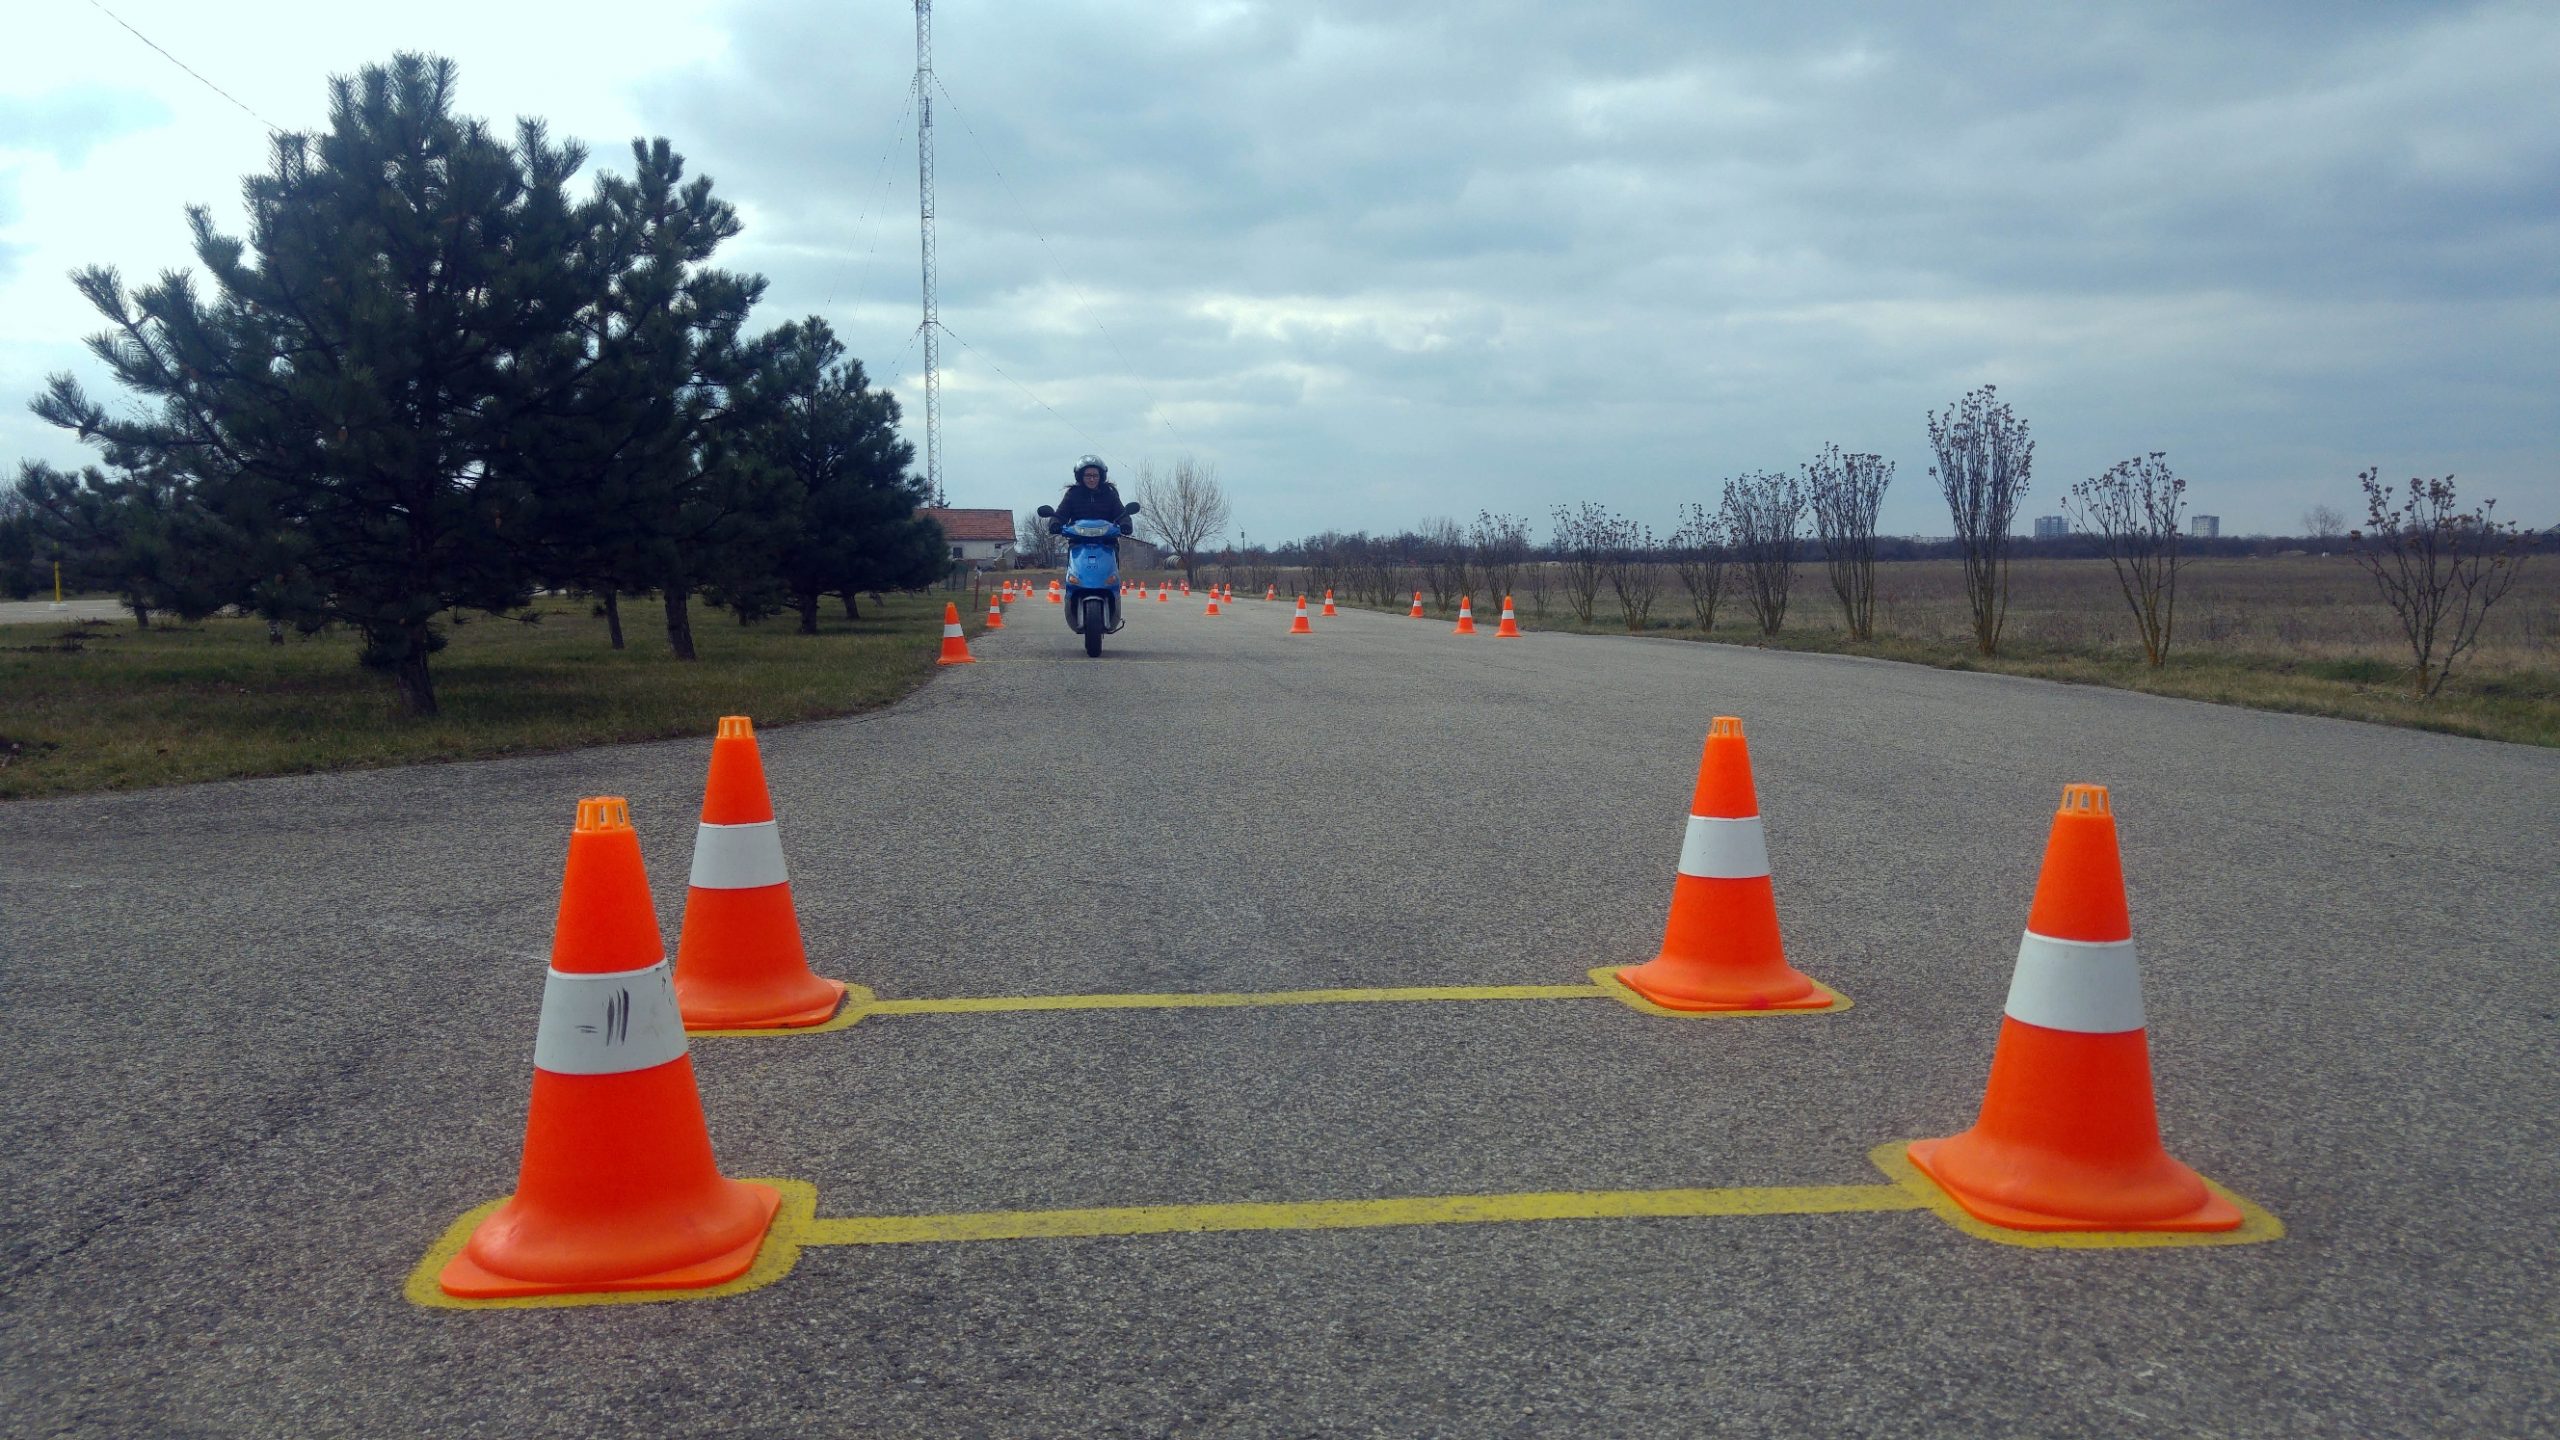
pixel 110 707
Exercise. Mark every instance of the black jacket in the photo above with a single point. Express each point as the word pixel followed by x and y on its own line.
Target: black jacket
pixel 1099 503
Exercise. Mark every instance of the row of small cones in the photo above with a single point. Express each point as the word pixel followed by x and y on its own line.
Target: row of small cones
pixel 1509 629
pixel 618 1188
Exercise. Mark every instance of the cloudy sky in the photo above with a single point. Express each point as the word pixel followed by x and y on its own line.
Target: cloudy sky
pixel 1385 261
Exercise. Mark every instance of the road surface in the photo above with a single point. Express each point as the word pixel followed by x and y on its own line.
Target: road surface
pixel 267 1040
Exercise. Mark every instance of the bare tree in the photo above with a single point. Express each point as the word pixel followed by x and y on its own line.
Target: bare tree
pixel 2440 568
pixel 1847 491
pixel 1633 575
pixel 1984 458
pixel 2323 522
pixel 1501 545
pixel 1583 538
pixel 1183 511
pixel 1698 554
pixel 1764 514
pixel 2134 509
pixel 1034 548
pixel 1443 552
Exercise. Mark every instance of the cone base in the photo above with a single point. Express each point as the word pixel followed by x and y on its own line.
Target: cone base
pixel 796 1012
pixel 957 660
pixel 2215 1213
pixel 1671 989
pixel 467 1279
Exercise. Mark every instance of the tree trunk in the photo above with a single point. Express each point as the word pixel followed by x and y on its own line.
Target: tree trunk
pixel 809 613
pixel 417 687
pixel 680 621
pixel 141 613
pixel 613 617
pixel 851 610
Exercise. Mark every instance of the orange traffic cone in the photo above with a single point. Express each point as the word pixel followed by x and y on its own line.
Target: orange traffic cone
pixel 2067 1138
pixel 995 614
pixel 1270 592
pixel 1164 594
pixel 1416 612
pixel 1720 950
pixel 1186 589
pixel 618 1189
pixel 739 962
pixel 1510 627
pixel 1466 617
pixel 1213 602
pixel 1054 597
pixel 1300 626
pixel 1329 612
pixel 955 642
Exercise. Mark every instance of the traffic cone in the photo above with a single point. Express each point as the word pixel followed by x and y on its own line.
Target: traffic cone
pixel 1270 592
pixel 1416 612
pixel 1300 626
pixel 1329 612
pixel 739 962
pixel 2067 1138
pixel 1186 589
pixel 995 614
pixel 1164 594
pixel 618 1189
pixel 1510 627
pixel 1466 617
pixel 1213 602
pixel 1054 597
pixel 1720 949
pixel 955 642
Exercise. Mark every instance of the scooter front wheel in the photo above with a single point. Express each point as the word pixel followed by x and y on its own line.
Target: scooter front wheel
pixel 1093 623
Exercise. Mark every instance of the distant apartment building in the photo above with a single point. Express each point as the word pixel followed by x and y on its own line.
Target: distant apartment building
pixel 2205 527
pixel 2052 527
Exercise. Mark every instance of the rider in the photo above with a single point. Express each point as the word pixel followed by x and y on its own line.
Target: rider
pixel 1091 498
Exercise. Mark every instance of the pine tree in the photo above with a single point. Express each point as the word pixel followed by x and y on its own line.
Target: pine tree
pixel 657 491
pixel 405 296
pixel 141 536
pixel 838 440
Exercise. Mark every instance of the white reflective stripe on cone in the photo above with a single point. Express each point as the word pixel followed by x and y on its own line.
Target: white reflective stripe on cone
pixel 1724 849
pixel 608 1024
pixel 952 632
pixel 738 857
pixel 2091 987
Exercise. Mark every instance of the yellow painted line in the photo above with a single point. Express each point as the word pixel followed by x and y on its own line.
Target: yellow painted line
pixel 985 1004
pixel 2256 1225
pixel 1360 1214
pixel 1606 978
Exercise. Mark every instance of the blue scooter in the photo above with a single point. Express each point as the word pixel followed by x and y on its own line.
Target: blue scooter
pixel 1093 577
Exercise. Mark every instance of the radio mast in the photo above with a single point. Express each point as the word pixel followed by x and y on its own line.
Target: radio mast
pixel 932 324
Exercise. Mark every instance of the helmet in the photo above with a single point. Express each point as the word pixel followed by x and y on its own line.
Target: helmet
pixel 1090 462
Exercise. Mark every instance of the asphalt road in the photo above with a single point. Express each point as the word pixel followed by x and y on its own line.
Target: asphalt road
pixel 266 1040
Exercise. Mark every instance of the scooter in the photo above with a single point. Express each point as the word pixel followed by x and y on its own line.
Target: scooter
pixel 1093 578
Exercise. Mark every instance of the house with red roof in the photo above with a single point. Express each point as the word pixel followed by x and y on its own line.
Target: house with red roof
pixel 978 538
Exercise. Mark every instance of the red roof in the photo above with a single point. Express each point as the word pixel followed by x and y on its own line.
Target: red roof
pixel 974 524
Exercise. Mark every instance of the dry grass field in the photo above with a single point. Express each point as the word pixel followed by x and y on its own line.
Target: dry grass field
pixel 2302 633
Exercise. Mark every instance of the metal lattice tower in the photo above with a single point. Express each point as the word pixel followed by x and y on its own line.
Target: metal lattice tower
pixel 932 324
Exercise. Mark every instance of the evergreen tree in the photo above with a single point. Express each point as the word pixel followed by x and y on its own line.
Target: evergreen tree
pixel 838 440
pixel 658 491
pixel 141 536
pixel 405 296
